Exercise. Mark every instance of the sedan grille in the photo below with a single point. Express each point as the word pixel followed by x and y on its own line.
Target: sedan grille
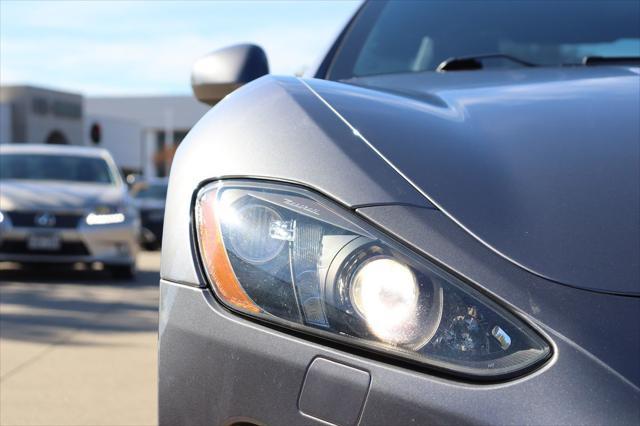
pixel 45 219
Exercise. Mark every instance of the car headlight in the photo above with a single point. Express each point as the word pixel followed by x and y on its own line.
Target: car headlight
pixel 106 215
pixel 286 255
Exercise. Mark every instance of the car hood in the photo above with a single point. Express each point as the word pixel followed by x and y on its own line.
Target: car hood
pixel 541 165
pixel 37 195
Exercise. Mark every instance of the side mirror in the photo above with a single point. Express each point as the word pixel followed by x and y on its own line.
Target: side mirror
pixel 221 72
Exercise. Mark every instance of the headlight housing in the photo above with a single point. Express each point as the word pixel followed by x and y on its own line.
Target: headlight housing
pixel 286 255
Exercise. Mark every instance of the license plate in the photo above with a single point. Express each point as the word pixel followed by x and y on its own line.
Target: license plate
pixel 50 242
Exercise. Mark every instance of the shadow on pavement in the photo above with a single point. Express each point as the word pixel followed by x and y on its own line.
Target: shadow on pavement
pixel 51 304
pixel 67 275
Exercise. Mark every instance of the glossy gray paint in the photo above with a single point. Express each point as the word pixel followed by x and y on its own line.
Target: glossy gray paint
pixel 217 367
pixel 542 165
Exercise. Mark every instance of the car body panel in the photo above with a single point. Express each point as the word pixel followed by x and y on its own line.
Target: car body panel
pixel 522 183
pixel 312 139
pixel 541 165
pixel 204 348
pixel 233 370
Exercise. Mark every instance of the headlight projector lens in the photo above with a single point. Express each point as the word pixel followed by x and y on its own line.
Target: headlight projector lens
pixel 385 293
pixel 397 307
pixel 249 233
pixel 374 292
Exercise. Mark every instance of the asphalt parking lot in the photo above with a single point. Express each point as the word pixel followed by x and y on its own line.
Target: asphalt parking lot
pixel 77 347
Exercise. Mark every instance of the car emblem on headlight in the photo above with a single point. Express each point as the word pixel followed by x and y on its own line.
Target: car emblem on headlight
pixel 45 219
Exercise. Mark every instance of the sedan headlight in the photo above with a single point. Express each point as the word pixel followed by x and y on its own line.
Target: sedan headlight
pixel 289 256
pixel 106 215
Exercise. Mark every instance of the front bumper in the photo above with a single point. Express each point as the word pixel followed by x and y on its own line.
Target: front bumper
pixel 114 244
pixel 218 368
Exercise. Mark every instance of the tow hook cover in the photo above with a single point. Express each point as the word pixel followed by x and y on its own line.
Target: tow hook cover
pixel 333 392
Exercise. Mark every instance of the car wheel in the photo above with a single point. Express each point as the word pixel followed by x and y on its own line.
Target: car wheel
pixel 122 272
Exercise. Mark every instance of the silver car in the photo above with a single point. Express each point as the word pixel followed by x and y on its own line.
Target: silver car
pixel 61 204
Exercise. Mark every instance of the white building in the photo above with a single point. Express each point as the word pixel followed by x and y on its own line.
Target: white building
pixel 133 129
pixel 36 115
pixel 5 122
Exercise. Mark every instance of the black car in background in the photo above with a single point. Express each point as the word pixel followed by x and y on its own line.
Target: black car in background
pixel 149 196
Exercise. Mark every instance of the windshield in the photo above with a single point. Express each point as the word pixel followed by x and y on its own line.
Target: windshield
pixel 153 191
pixel 406 36
pixel 55 167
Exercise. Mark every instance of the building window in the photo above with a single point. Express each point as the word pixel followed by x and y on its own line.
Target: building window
pixel 40 106
pixel 67 109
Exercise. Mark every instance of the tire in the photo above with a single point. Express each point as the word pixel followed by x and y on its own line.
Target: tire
pixel 122 272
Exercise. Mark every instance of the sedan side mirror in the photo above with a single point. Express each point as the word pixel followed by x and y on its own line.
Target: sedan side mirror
pixel 221 72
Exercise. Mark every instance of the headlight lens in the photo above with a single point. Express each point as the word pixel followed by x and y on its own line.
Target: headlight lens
pixel 289 256
pixel 106 215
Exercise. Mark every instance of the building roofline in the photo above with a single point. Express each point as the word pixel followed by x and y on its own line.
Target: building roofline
pixel 26 148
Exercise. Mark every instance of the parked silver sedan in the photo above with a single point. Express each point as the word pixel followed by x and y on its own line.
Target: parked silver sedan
pixel 61 204
pixel 149 197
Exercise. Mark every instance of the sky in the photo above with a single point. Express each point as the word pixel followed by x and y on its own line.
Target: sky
pixel 147 47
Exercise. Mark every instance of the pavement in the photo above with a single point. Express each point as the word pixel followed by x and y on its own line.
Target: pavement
pixel 77 347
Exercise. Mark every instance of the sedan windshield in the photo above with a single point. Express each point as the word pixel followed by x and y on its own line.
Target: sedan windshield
pixel 55 167
pixel 407 36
